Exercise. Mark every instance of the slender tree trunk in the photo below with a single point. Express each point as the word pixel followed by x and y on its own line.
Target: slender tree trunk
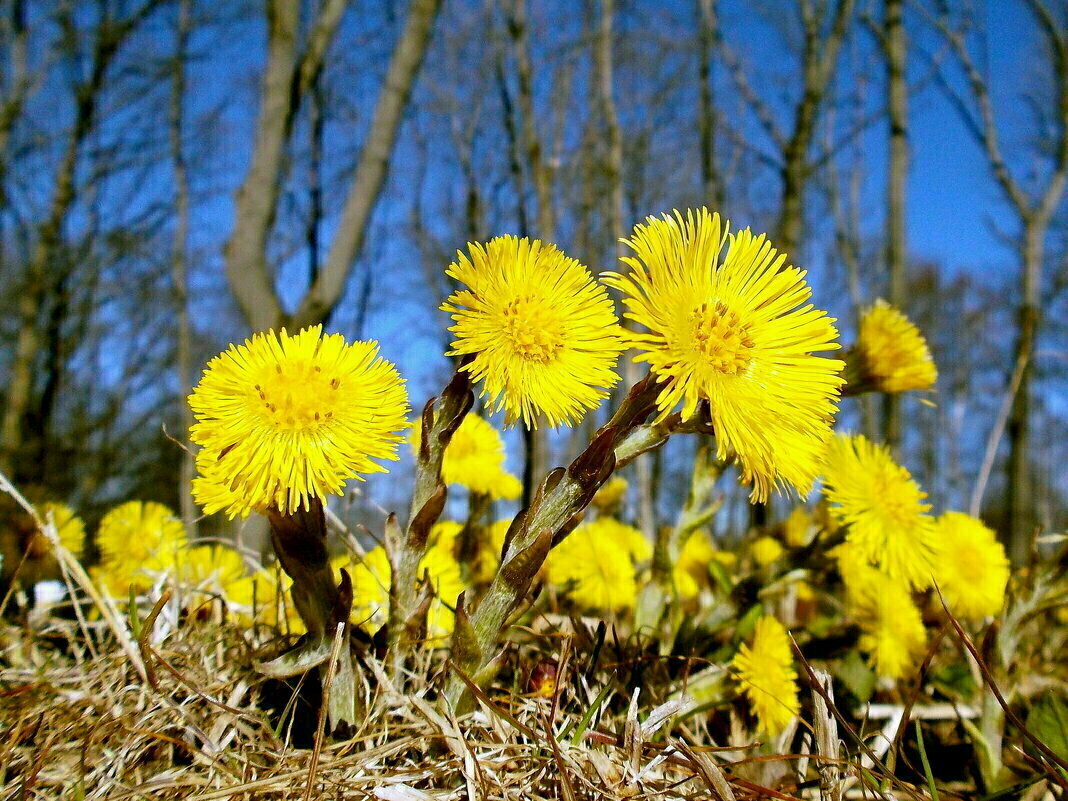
pixel 179 277
pixel 708 35
pixel 896 248
pixel 1021 486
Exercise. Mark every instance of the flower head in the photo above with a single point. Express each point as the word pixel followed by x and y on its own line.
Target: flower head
pixel 597 561
pixel 799 529
pixel 891 353
pixel 134 539
pixel 765 671
pixel 69 527
pixel 883 507
pixel 283 419
pixel 766 550
pixel 474 458
pixel 893 633
pixel 610 495
pixel 543 334
pixel 972 567
pixel 732 329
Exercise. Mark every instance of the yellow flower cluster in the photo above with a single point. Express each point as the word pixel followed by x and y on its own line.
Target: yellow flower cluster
pixel 973 570
pixel 69 527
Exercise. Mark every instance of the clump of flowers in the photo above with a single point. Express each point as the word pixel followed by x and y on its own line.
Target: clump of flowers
pixel 883 508
pixel 732 329
pixel 543 336
pixel 973 570
pixel 371 575
pixel 765 671
pixel 136 539
pixel 282 419
pixel 474 459
pixel 891 355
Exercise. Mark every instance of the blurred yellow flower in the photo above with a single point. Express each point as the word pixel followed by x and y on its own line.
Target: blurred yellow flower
pixel 212 568
pixel 136 539
pixel 69 527
pixel 766 550
pixel 610 495
pixel 543 333
pixel 475 459
pixel 283 419
pixel 732 329
pixel 893 633
pixel 883 507
pixel 765 671
pixel 972 567
pixel 799 530
pixel 696 554
pixel 891 352
pixel 371 575
pixel 597 561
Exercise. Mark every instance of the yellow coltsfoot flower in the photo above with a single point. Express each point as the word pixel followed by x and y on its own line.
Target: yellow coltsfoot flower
pixel 733 329
pixel 893 633
pixel 765 670
pixel 135 539
pixel 69 527
pixel 891 355
pixel 542 333
pixel 474 458
pixel 766 550
pixel 883 507
pixel 597 562
pixel 973 570
pixel 283 419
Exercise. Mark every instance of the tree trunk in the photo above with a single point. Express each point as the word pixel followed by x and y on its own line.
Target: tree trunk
pixel 1021 490
pixel 896 255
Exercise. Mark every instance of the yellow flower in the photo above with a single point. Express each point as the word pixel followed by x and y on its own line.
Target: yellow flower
pixel 883 507
pixel 610 495
pixel 893 633
pixel 371 575
pixel 282 419
pixel 212 569
pixel 732 329
pixel 474 459
pixel 766 550
pixel 799 530
pixel 543 334
pixel 891 353
pixel 137 538
pixel 765 671
pixel 69 526
pixel 489 556
pixel 597 561
pixel 697 552
pixel 972 568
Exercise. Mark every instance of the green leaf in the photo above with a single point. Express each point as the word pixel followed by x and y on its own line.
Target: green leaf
pixel 858 678
pixel 1048 721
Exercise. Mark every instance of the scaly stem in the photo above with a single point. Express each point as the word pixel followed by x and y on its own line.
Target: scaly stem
pixel 549 518
pixel 440 419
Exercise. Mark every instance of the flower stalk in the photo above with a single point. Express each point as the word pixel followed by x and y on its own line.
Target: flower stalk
pixel 553 513
pixel 406 548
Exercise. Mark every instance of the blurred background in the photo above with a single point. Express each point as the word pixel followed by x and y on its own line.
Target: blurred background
pixel 175 174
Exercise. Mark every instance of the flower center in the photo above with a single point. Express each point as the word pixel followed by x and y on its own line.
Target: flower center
pixel 533 331
pixel 297 398
pixel 721 338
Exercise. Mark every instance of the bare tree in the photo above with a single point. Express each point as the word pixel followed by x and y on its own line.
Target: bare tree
pixel 290 73
pixel 1034 200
